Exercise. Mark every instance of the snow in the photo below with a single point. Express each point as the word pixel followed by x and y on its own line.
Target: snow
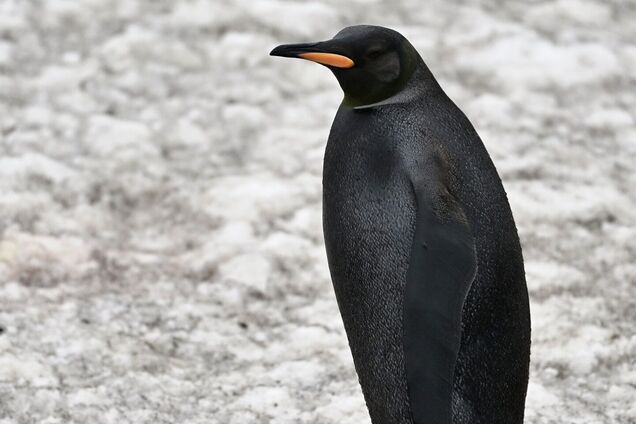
pixel 542 63
pixel 34 165
pixel 249 269
pixel 575 11
pixel 161 250
pixel 108 137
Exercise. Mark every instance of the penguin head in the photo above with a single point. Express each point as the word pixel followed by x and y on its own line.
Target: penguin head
pixel 371 63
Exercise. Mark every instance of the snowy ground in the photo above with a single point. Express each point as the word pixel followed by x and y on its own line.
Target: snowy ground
pixel 161 258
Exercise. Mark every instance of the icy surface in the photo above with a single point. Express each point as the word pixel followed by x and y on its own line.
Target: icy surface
pixel 161 258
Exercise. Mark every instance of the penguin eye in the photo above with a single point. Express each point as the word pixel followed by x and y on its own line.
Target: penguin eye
pixel 374 53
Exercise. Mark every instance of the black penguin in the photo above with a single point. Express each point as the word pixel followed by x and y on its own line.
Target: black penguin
pixel 422 246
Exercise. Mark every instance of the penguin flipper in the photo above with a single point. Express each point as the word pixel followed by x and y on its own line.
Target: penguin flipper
pixel 442 267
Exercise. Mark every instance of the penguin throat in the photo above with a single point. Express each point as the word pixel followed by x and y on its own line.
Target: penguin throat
pixel 377 98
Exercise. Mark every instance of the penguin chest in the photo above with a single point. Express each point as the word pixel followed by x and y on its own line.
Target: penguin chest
pixel 368 218
pixel 369 222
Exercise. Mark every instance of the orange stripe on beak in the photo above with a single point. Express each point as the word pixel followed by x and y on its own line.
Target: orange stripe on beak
pixel 331 59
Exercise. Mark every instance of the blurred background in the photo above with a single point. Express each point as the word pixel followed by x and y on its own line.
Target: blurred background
pixel 161 250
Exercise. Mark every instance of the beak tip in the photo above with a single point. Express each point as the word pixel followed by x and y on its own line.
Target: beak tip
pixel 277 51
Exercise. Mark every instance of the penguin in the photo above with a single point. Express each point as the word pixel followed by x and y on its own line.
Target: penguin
pixel 421 243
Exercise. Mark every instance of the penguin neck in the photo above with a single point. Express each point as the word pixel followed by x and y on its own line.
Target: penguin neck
pixel 419 83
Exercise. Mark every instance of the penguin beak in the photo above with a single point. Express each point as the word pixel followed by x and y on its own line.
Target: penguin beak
pixel 316 52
